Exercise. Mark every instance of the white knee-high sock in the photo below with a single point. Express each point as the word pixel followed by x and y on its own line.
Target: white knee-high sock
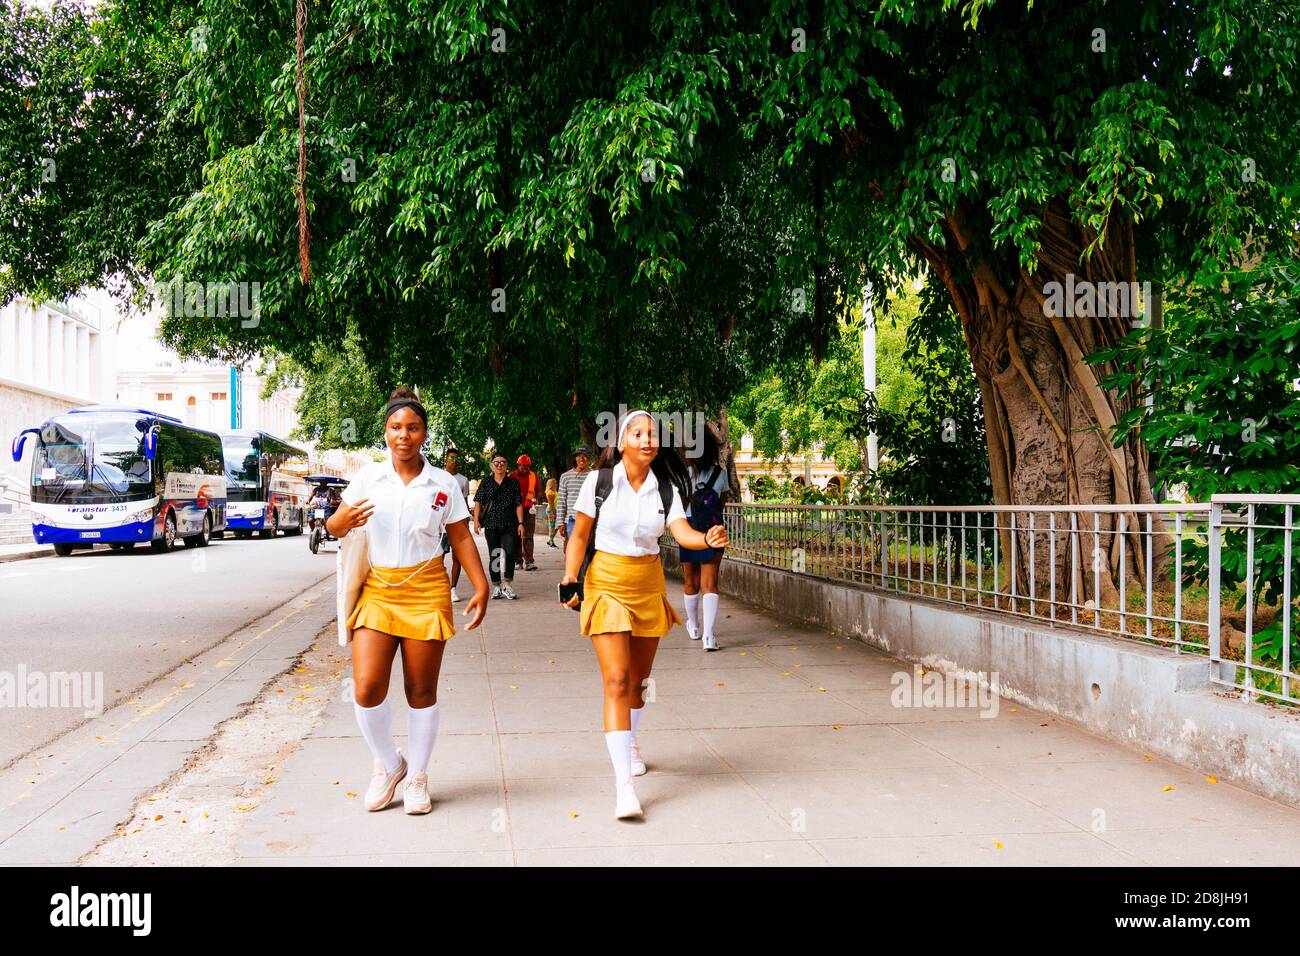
pixel 710 603
pixel 377 727
pixel 619 744
pixel 636 718
pixel 692 602
pixel 422 731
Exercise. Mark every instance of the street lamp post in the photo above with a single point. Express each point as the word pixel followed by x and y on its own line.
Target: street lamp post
pixel 869 366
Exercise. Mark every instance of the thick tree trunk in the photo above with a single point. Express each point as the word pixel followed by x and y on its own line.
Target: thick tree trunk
pixel 1048 420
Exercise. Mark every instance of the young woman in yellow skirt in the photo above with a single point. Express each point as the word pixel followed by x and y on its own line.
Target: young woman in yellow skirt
pixel 625 607
pixel 406 505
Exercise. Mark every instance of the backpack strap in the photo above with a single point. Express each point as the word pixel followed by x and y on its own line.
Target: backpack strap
pixel 666 496
pixel 713 475
pixel 604 484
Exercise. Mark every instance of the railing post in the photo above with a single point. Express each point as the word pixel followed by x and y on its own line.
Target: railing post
pixel 1216 558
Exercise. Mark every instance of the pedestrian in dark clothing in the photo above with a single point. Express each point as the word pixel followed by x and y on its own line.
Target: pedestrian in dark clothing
pixel 499 511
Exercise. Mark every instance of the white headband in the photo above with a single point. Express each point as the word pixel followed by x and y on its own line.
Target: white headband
pixel 628 421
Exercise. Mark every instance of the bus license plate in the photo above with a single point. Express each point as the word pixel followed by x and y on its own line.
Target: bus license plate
pixel 90 534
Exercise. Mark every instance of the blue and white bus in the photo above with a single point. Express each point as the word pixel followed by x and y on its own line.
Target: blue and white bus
pixel 266 494
pixel 120 476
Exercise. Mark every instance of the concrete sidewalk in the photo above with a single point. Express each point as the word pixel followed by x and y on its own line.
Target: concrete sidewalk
pixel 60 801
pixel 782 748
pixel 21 552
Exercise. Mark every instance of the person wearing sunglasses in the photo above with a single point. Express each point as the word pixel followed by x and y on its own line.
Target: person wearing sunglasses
pixel 499 513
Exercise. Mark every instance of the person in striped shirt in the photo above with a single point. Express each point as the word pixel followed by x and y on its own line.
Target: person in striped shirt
pixel 570 485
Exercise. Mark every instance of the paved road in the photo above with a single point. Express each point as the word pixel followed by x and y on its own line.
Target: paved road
pixel 785 747
pixel 133 616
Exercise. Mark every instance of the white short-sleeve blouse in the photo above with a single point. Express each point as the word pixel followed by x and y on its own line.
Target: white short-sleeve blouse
pixel 406 526
pixel 631 522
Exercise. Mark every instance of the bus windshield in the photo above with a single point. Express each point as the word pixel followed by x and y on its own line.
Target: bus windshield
pixel 243 471
pixel 91 456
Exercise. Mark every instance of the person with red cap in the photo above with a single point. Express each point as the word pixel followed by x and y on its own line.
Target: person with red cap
pixel 530 486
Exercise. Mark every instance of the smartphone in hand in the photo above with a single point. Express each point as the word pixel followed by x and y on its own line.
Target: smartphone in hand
pixel 568 591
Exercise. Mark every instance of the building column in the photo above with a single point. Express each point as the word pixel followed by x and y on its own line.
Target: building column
pixel 24 355
pixel 69 331
pixel 57 377
pixel 83 361
pixel 9 339
pixel 41 345
pixel 94 360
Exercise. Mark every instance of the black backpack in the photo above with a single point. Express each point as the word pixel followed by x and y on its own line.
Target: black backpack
pixel 604 482
pixel 706 508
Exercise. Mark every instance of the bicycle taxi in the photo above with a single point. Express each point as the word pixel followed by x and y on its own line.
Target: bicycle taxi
pixel 326 495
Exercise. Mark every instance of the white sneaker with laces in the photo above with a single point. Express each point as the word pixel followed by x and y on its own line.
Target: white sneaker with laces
pixel 638 765
pixel 710 642
pixel 509 593
pixel 455 598
pixel 383 785
pixel 415 798
pixel 627 805
pixel 692 632
pixel 496 592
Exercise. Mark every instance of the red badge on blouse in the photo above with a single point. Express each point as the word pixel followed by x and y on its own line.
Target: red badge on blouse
pixel 439 501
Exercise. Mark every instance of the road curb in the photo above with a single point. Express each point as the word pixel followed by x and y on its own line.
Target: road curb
pixel 58 815
pixel 37 552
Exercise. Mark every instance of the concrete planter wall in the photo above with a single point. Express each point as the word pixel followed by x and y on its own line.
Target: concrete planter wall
pixel 1146 696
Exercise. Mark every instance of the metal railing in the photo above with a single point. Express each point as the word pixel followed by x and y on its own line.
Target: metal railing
pixel 1156 573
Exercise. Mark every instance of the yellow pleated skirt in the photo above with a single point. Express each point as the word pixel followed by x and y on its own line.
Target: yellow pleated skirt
pixel 622 593
pixel 419 609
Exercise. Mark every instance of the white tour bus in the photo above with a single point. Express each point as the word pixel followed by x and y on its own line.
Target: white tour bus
pixel 109 474
pixel 265 492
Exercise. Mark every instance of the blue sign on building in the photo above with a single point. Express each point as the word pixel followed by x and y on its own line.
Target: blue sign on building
pixel 236 397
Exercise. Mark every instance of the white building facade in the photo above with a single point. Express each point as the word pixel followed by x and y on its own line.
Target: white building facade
pixel 57 356
pixel 53 356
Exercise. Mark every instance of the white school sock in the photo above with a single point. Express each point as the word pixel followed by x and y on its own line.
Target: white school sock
pixel 422 731
pixel 377 728
pixel 619 743
pixel 636 718
pixel 710 613
pixel 692 602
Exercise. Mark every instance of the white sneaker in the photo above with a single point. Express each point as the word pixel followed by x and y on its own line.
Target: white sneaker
pixel 508 593
pixel 710 642
pixel 627 805
pixel 455 598
pixel 415 798
pixel 383 785
pixel 638 765
pixel 692 632
pixel 496 592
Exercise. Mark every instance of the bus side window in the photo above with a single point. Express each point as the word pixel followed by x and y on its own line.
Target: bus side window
pixel 215 464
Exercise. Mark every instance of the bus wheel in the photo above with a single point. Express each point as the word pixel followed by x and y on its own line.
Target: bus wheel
pixel 168 540
pixel 275 526
pixel 205 538
pixel 201 539
pixel 63 550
